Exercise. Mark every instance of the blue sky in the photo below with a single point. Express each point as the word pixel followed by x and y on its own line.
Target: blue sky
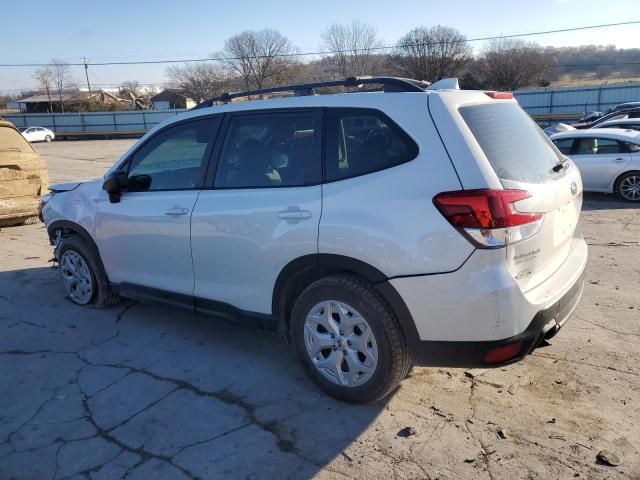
pixel 136 30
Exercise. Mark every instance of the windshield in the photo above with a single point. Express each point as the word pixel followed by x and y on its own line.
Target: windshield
pixel 514 145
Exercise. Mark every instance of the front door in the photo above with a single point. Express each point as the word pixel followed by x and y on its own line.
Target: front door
pixel 144 239
pixel 263 210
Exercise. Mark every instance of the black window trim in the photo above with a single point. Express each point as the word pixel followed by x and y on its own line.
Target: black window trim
pixel 331 138
pixel 125 164
pixel 212 170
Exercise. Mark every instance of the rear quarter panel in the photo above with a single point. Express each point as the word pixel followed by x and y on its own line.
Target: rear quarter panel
pixel 387 218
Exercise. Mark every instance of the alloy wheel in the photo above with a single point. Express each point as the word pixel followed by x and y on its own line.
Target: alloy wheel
pixel 630 188
pixel 340 343
pixel 76 277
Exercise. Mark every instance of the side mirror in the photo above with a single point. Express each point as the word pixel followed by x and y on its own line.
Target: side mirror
pixel 139 182
pixel 114 184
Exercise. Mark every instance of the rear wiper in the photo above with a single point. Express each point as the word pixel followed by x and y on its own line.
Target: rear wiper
pixel 560 165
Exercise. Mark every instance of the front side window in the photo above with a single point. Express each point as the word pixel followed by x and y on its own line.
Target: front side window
pixel 175 158
pixel 595 146
pixel 271 150
pixel 365 141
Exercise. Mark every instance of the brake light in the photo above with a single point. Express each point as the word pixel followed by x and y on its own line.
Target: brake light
pixel 489 217
pixel 500 95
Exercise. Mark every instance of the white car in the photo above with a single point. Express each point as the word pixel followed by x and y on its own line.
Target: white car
pixel 37 134
pixel 373 230
pixel 608 159
pixel 625 124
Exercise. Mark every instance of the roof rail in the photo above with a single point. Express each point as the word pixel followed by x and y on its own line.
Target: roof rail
pixel 389 84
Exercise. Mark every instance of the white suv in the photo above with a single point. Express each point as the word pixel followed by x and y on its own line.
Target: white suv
pixel 374 230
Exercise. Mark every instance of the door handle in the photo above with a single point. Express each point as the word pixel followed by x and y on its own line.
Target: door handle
pixel 619 160
pixel 177 211
pixel 294 214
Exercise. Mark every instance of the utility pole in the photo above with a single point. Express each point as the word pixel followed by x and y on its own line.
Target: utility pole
pixel 85 60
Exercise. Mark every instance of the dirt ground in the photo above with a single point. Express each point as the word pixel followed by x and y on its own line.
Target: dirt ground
pixel 146 391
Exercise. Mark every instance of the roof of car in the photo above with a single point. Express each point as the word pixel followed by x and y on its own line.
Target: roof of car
pixel 5 123
pixel 622 121
pixel 615 133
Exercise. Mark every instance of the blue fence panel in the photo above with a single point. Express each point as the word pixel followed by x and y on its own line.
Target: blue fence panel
pixel 93 122
pixel 542 101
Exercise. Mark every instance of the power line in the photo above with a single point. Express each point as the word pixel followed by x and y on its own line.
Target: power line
pixel 329 52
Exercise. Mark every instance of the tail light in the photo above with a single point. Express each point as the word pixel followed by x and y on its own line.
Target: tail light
pixel 489 217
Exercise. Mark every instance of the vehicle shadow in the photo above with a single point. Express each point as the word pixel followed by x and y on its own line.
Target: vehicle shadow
pixel 602 201
pixel 162 390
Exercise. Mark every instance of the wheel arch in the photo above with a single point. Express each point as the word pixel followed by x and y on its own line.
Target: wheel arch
pixel 301 272
pixel 616 182
pixel 69 227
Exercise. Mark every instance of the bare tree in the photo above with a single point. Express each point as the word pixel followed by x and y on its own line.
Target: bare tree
pixel 61 77
pixel 509 64
pixel 261 58
pixel 198 81
pixel 432 53
pixel 132 87
pixel 352 48
pixel 44 77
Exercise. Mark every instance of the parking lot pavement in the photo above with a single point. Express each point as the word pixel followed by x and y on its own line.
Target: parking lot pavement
pixel 147 391
pixel 81 159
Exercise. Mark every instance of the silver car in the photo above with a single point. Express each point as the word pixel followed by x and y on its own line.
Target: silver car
pixel 608 159
pixel 625 124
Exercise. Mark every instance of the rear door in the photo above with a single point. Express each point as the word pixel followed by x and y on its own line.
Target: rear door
pixel 262 209
pixel 523 158
pixel 600 160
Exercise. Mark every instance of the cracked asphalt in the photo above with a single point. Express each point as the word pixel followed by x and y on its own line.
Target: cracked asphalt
pixel 144 391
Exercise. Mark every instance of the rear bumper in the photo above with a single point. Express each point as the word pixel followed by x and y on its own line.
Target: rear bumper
pixel 545 324
pixel 462 316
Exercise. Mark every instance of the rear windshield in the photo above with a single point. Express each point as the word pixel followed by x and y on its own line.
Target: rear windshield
pixel 516 148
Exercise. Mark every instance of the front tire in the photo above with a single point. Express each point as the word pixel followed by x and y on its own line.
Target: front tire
pixel 348 339
pixel 628 187
pixel 48 138
pixel 82 274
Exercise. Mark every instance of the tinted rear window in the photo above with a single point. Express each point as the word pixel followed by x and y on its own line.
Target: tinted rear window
pixel 516 148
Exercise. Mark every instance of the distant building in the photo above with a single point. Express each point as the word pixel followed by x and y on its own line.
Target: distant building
pixel 42 103
pixel 171 99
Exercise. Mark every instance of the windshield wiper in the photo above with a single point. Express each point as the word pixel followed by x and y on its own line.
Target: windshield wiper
pixel 560 165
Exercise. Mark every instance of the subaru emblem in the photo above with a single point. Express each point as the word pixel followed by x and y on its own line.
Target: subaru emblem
pixel 574 188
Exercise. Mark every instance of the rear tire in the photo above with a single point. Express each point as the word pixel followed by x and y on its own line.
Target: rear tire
pixel 628 187
pixel 376 358
pixel 82 273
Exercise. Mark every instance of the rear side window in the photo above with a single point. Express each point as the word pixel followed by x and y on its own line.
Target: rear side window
pixel 602 146
pixel 514 145
pixel 361 141
pixel 271 150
